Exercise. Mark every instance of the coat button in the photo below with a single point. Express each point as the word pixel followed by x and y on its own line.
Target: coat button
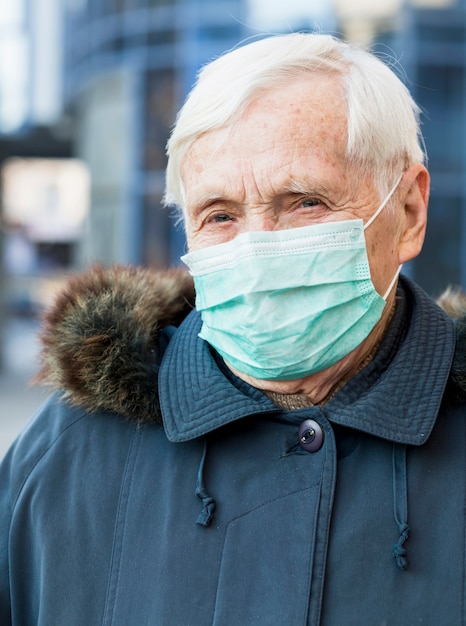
pixel 311 436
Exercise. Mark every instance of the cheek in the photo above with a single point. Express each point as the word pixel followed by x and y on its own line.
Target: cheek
pixel 192 242
pixel 190 234
pixel 196 240
pixel 381 251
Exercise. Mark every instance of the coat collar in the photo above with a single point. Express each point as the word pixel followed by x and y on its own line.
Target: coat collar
pixel 396 397
pixel 195 395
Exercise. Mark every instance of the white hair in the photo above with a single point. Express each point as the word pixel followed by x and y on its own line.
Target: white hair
pixel 383 120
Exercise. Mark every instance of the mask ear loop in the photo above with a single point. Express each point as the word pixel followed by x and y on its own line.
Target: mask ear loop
pixel 369 222
pixel 393 281
pixel 382 206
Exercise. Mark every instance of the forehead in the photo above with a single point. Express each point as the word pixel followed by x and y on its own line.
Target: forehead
pixel 301 125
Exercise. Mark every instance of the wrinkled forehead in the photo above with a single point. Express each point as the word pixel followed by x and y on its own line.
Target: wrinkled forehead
pixel 310 109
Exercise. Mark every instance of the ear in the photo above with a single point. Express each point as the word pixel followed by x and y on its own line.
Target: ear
pixel 415 186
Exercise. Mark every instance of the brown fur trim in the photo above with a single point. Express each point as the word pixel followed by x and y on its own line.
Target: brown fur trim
pixel 100 338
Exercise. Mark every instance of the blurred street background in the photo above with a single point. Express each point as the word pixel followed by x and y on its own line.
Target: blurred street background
pixel 88 92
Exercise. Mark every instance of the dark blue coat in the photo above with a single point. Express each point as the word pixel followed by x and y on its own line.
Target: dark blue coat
pixel 221 517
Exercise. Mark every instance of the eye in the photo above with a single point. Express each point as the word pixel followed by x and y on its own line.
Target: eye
pixel 220 218
pixel 310 202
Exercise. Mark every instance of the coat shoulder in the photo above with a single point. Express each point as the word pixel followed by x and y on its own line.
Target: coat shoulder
pixel 101 337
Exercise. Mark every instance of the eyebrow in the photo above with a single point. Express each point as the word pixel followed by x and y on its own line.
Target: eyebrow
pixel 203 201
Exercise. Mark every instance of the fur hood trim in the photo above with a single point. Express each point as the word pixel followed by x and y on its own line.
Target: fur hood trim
pixel 100 337
pixel 100 344
pixel 453 302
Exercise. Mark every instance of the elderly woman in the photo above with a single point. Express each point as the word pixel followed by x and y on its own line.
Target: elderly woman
pixel 293 450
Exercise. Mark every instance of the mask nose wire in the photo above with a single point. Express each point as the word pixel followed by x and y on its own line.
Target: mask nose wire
pixel 387 198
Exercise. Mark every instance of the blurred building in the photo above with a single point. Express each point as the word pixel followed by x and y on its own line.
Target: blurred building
pixel 31 127
pixel 30 64
pixel 34 157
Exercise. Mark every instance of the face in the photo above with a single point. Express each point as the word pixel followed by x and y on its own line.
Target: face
pixel 284 166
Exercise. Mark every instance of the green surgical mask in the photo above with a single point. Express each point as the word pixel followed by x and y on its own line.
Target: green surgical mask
pixel 281 305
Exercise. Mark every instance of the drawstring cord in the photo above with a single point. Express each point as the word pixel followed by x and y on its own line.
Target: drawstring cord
pixel 400 500
pixel 400 503
pixel 208 503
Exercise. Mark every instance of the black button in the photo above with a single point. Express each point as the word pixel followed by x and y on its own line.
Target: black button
pixel 311 436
